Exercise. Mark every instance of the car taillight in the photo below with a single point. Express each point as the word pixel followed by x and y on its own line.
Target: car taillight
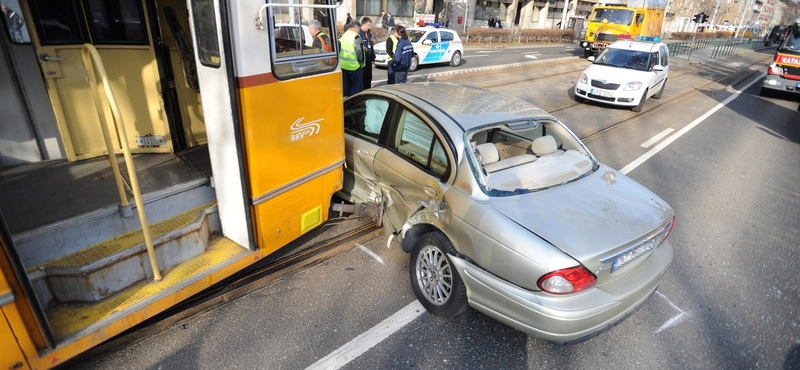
pixel 569 280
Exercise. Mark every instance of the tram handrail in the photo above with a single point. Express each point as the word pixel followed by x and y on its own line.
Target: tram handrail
pixel 94 66
pixel 260 17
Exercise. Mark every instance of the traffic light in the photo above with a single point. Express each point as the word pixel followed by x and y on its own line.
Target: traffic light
pixel 704 18
pixel 698 17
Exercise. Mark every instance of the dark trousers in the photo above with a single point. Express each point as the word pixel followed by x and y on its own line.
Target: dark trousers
pixel 390 74
pixel 400 77
pixel 352 81
pixel 367 72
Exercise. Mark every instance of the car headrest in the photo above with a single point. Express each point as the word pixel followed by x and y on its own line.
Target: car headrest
pixel 488 153
pixel 544 145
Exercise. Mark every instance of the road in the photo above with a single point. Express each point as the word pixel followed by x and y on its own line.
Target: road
pixel 486 57
pixel 724 158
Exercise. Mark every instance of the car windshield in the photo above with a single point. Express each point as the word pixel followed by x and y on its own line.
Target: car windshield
pixel 522 157
pixel 415 36
pixel 792 43
pixel 625 58
pixel 613 16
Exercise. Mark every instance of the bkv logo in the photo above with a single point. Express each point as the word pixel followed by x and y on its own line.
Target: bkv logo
pixel 301 130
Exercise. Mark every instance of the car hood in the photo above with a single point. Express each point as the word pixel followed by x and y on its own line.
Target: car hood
pixel 590 218
pixel 616 74
pixel 380 46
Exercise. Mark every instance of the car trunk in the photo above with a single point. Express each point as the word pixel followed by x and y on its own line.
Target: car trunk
pixel 591 218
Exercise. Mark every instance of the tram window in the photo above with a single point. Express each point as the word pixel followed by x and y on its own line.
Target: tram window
pixel 116 22
pixel 15 23
pixel 365 118
pixel 299 47
pixel 205 25
pixel 58 22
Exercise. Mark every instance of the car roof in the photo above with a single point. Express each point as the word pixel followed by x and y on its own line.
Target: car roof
pixel 469 106
pixel 636 45
pixel 428 28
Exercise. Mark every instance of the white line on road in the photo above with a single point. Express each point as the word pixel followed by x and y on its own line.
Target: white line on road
pixel 475 56
pixel 650 153
pixel 486 51
pixel 362 343
pixel 672 320
pixel 531 56
pixel 371 253
pixel 656 138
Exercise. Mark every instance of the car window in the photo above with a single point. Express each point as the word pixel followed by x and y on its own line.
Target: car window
pixel 653 60
pixel 446 36
pixel 415 35
pixel 365 118
pixel 432 36
pixel 416 141
pixel 664 56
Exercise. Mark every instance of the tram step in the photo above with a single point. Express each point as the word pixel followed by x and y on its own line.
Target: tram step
pixel 61 238
pixel 103 269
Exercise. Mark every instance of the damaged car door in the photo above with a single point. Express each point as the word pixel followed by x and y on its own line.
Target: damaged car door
pixel 363 122
pixel 411 169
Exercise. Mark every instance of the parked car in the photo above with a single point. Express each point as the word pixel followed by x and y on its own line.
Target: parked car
pixel 503 208
pixel 626 73
pixel 431 45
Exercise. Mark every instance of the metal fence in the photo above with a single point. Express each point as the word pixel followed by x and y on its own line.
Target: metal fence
pixel 719 47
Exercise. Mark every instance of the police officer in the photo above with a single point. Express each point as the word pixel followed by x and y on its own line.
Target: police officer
pixel 366 38
pixel 351 59
pixel 391 46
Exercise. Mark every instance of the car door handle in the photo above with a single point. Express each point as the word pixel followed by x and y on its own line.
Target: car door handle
pixel 48 58
pixel 363 153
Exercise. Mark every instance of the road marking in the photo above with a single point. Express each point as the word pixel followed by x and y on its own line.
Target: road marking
pixel 650 153
pixel 362 343
pixel 486 51
pixel 672 320
pixel 371 253
pixel 475 56
pixel 532 52
pixel 531 56
pixel 656 138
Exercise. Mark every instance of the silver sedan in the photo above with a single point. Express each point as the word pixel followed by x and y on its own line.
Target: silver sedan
pixel 503 208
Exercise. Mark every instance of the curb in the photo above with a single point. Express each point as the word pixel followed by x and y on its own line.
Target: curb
pixel 512 65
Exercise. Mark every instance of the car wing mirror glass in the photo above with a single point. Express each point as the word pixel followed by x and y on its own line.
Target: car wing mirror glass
pixel 658 68
pixel 427 42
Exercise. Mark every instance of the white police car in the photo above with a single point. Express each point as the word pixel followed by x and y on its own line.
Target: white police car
pixel 626 73
pixel 431 45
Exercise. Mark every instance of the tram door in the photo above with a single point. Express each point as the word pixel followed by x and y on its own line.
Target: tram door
pixel 120 32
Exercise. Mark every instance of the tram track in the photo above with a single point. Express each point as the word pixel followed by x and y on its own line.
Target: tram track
pixel 255 277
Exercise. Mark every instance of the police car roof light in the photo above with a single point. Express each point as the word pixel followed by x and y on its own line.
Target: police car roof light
pixel 649 38
pixel 625 37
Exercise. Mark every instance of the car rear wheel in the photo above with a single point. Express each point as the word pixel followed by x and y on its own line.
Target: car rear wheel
pixel 639 107
pixel 434 279
pixel 414 64
pixel 660 92
pixel 455 61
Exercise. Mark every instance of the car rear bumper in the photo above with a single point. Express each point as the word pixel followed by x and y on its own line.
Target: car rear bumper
pixel 619 97
pixel 780 83
pixel 565 319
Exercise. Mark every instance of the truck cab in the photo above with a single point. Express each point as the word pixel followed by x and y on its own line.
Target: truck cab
pixel 783 73
pixel 608 21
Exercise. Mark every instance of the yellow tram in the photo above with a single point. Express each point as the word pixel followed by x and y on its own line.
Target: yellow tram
pixel 240 79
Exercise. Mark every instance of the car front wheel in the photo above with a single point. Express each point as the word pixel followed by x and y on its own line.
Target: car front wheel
pixel 434 279
pixel 660 92
pixel 640 107
pixel 414 64
pixel 456 59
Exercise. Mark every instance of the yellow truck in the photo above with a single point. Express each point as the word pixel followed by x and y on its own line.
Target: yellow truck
pixel 610 20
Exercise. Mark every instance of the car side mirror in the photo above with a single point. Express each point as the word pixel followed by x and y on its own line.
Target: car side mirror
pixel 658 68
pixel 427 42
pixel 591 59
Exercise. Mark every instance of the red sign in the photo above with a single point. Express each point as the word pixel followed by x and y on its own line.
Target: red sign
pixel 459 20
pixel 787 59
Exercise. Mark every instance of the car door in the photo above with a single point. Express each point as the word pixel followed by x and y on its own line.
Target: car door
pixel 364 120
pixel 435 51
pixel 445 40
pixel 658 76
pixel 411 169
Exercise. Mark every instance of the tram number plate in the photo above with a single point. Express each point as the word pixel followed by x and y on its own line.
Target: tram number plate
pixel 607 94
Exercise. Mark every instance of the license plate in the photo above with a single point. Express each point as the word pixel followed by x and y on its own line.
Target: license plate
pixel 607 94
